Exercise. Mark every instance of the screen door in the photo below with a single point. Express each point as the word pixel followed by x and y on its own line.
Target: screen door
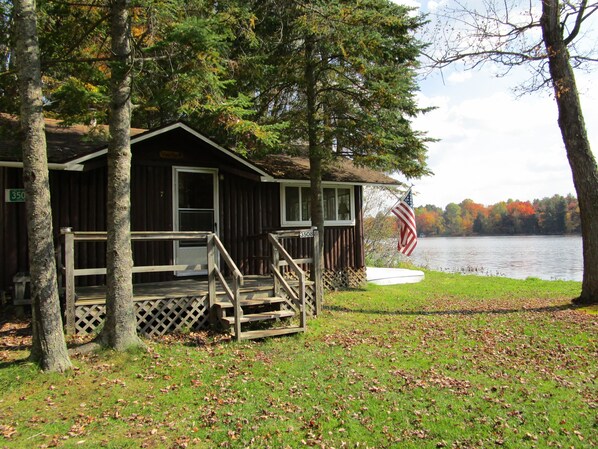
pixel 195 209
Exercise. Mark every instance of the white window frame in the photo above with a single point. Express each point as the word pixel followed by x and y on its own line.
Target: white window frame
pixel 287 223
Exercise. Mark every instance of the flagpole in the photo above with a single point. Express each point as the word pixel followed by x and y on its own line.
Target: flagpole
pixel 399 199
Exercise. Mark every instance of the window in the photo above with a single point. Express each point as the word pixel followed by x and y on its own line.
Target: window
pixel 337 201
pixel 297 204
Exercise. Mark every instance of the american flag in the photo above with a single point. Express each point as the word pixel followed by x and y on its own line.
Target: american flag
pixel 407 231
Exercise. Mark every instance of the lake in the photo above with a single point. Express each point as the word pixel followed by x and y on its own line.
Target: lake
pixel 519 257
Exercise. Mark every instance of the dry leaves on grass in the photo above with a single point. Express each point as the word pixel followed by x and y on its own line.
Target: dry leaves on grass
pixel 7 431
pixel 15 335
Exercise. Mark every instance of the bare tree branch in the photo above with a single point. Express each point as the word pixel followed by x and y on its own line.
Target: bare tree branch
pixel 579 19
pixel 506 33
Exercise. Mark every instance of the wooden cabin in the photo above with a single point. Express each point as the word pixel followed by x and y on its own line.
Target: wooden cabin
pixel 181 182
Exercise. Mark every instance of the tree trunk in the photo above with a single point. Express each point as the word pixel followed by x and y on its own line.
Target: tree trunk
pixel 49 347
pixel 119 330
pixel 577 145
pixel 315 156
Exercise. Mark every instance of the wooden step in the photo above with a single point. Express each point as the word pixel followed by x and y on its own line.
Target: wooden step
pixel 250 302
pixel 251 335
pixel 250 317
pixel 259 291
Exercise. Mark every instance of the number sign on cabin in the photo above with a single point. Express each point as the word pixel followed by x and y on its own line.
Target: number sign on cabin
pixel 14 196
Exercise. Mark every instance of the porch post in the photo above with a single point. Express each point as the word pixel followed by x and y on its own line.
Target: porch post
pixel 69 275
pixel 317 273
pixel 211 279
pixel 275 266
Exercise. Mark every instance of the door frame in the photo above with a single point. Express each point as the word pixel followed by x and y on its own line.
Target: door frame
pixel 176 169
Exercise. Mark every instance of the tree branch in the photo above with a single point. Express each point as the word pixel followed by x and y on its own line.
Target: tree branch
pixel 578 20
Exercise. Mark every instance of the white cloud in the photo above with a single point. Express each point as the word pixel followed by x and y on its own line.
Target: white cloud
pixel 411 3
pixel 434 5
pixel 460 77
pixel 493 146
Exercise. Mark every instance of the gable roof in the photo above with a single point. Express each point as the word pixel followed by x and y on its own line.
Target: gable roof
pixel 70 147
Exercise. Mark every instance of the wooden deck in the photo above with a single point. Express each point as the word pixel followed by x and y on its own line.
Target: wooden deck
pixel 252 285
pixel 163 307
pixel 194 303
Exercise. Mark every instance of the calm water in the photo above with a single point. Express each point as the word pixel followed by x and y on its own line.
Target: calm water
pixel 544 257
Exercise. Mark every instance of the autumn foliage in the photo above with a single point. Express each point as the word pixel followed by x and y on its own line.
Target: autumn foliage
pixel 554 215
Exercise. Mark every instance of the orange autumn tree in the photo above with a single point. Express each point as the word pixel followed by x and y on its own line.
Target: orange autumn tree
pixel 470 211
pixel 429 220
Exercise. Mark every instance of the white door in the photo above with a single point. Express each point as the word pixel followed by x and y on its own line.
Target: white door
pixel 195 204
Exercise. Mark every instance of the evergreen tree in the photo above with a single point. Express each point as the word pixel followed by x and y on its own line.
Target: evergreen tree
pixel 552 215
pixel 480 224
pixel 341 75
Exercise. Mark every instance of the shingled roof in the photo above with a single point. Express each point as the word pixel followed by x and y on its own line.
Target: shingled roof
pixel 66 144
pixel 340 170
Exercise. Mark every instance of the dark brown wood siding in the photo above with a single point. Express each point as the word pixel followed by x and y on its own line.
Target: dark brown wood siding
pixel 79 202
pixel 252 209
pixel 249 209
pixel 13 255
pixel 151 210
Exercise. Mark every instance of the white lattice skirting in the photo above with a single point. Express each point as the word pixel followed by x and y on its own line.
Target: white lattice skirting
pixel 344 278
pixel 154 317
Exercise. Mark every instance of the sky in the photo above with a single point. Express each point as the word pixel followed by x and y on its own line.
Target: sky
pixel 493 144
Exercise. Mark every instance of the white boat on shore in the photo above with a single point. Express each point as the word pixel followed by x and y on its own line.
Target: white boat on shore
pixel 392 276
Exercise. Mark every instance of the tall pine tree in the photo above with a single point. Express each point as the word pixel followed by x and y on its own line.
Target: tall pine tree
pixel 341 75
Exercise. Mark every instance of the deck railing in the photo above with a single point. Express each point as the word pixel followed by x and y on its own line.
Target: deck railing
pixel 278 265
pixel 214 248
pixel 315 269
pixel 214 243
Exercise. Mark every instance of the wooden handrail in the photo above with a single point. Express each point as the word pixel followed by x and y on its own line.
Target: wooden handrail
pixel 140 269
pixel 298 299
pixel 286 256
pixel 227 289
pixel 308 260
pixel 234 292
pixel 294 296
pixel 289 233
pixel 98 236
pixel 228 259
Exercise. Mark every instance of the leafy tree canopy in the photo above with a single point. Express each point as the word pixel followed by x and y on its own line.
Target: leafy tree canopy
pixel 183 67
pixel 364 58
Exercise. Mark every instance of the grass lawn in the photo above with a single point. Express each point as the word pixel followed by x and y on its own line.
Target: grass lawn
pixel 455 361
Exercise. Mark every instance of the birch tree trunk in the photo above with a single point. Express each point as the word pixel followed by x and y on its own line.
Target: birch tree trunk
pixel 577 144
pixel 119 330
pixel 49 346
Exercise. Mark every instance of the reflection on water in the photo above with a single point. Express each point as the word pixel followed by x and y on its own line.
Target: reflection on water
pixel 544 257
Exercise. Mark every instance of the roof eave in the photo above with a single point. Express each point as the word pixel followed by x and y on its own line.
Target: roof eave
pixel 351 183
pixel 51 166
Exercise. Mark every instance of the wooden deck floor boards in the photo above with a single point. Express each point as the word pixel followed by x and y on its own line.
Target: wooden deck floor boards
pixel 171 289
